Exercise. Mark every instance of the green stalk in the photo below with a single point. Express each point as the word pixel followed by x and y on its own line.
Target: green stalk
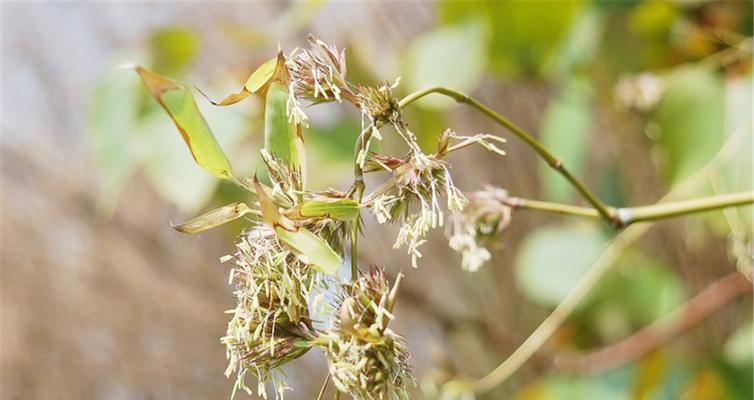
pixel 554 162
pixel 630 215
pixel 357 193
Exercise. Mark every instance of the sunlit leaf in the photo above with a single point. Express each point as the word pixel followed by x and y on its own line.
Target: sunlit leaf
pixel 453 56
pixel 214 218
pixel 690 120
pixel 565 131
pixel 342 209
pixel 552 259
pixel 178 101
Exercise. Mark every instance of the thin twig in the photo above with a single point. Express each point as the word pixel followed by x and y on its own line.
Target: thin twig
pixel 357 193
pixel 324 386
pixel 630 215
pixel 703 305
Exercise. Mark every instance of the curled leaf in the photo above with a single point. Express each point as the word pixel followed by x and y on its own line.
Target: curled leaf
pixel 214 218
pixel 256 81
pixel 179 103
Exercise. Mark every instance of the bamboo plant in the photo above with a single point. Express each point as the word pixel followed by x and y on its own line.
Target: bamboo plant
pixel 297 235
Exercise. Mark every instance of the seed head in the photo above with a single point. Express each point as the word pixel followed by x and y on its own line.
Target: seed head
pixel 379 104
pixel 319 72
pixel 271 318
pixel 366 359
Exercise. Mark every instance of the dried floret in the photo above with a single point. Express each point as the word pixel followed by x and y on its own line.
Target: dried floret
pixel 486 215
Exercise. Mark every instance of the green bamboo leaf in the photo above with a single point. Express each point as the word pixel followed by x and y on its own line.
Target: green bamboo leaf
pixel 342 209
pixel 179 103
pixel 214 218
pixel 256 81
pixel 282 138
pixel 566 129
pixel 308 247
pixel 690 119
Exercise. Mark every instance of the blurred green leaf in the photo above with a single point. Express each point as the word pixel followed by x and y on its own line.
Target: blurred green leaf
pixel 642 288
pixel 552 259
pixel 179 103
pixel 652 18
pixel 580 45
pixel 565 130
pixel 112 118
pixel 606 386
pixel 452 56
pixel 690 118
pixel 172 49
pixel 524 34
pixel 214 218
pixel 738 105
pixel 732 382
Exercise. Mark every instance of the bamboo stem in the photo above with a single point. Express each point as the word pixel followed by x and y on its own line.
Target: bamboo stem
pixel 554 162
pixel 630 215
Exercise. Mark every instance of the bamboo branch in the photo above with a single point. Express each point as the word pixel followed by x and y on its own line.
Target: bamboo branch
pixel 630 215
pixel 681 319
pixel 554 162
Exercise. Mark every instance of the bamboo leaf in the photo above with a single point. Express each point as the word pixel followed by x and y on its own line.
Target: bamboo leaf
pixel 270 213
pixel 282 138
pixel 179 103
pixel 214 218
pixel 256 81
pixel 308 247
pixel 342 209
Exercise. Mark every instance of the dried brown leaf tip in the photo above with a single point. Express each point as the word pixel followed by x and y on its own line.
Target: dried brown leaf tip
pixel 486 215
pixel 366 359
pixel 318 73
